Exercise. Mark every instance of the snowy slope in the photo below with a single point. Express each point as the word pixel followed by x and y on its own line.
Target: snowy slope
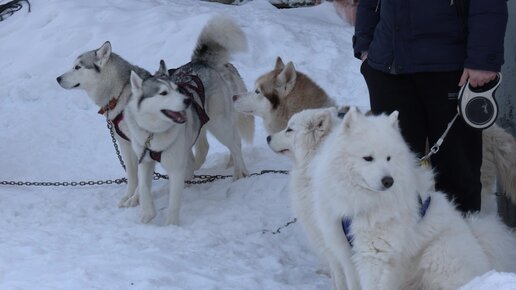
pixel 77 237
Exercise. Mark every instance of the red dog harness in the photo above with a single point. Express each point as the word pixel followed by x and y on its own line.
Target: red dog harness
pixel 188 85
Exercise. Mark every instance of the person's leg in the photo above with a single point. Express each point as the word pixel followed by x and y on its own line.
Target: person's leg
pixel 389 92
pixel 458 161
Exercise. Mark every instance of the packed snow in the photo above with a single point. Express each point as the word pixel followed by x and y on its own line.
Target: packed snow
pixel 77 237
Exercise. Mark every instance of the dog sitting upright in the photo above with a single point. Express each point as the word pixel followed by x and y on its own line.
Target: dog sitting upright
pixel 281 93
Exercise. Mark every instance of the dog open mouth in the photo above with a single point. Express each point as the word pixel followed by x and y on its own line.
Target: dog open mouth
pixel 178 117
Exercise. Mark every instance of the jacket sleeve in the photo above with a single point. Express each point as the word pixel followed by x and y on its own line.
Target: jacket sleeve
pixel 486 32
pixel 368 15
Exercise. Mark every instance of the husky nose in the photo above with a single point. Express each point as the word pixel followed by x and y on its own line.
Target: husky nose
pixel 58 79
pixel 235 97
pixel 187 102
pixel 269 139
pixel 387 181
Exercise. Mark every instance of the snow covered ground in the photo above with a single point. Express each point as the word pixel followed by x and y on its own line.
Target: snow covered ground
pixel 77 237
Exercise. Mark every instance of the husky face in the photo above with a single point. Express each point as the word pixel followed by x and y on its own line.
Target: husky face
pixel 86 70
pixel 270 89
pixel 303 134
pixel 157 102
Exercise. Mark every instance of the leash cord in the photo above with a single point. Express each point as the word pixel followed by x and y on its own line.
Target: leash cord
pixel 435 148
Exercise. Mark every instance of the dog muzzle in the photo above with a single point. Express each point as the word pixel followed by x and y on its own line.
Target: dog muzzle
pixel 477 106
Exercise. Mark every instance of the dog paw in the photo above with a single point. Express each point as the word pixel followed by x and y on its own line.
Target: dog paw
pixel 123 201
pixel 240 174
pixel 173 220
pixel 132 201
pixel 147 216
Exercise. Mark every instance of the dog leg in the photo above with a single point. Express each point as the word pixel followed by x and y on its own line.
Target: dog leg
pixel 231 139
pixel 176 172
pixel 131 166
pixel 145 172
pixel 201 148
pixel 343 271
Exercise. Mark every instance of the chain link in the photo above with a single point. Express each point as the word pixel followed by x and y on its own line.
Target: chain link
pixel 113 139
pixel 65 183
pixel 278 230
pixel 198 179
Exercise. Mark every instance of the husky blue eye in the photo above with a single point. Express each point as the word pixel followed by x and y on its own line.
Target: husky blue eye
pixel 368 158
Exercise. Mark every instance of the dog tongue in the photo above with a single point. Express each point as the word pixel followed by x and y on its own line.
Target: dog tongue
pixel 175 116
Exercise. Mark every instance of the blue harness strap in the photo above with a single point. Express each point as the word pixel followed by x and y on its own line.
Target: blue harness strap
pixel 346 221
pixel 346 227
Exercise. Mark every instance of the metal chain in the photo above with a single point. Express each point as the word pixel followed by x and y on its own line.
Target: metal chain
pixel 64 183
pixel 146 147
pixel 197 179
pixel 278 230
pixel 113 139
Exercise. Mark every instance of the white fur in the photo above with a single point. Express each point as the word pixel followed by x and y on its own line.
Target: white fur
pixel 393 247
pixel 305 131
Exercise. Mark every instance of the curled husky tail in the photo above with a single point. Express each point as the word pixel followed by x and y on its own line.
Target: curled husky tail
pixel 220 37
pixel 504 154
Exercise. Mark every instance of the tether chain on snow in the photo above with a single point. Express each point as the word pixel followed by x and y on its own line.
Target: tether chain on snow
pixel 198 179
pixel 278 230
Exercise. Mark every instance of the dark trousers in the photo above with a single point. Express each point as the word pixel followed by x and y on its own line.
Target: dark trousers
pixel 427 102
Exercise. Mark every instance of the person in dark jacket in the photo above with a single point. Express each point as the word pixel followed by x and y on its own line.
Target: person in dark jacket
pixel 416 54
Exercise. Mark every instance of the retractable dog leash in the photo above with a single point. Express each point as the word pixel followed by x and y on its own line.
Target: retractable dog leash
pixel 476 106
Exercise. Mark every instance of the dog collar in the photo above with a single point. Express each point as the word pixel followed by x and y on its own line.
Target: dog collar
pixel 113 102
pixel 110 106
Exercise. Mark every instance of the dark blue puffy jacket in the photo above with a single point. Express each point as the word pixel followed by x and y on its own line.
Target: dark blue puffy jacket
pixel 407 36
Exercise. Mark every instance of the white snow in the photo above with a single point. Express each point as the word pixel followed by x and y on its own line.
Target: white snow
pixel 77 237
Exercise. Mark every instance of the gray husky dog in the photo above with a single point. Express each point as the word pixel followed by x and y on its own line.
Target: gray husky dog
pixel 105 76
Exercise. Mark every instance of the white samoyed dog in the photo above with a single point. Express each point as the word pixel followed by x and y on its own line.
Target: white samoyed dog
pixel 300 141
pixel 398 232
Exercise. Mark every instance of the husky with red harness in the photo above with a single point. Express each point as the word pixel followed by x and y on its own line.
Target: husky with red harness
pixel 164 117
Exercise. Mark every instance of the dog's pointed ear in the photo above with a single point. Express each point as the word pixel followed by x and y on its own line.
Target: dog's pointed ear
pixel 393 119
pixel 350 118
pixel 323 121
pixel 162 69
pixel 287 78
pixel 320 126
pixel 103 53
pixel 136 82
pixel 279 64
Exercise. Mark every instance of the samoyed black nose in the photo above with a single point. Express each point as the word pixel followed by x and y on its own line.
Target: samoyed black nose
pixel 187 102
pixel 387 181
pixel 59 79
pixel 269 139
